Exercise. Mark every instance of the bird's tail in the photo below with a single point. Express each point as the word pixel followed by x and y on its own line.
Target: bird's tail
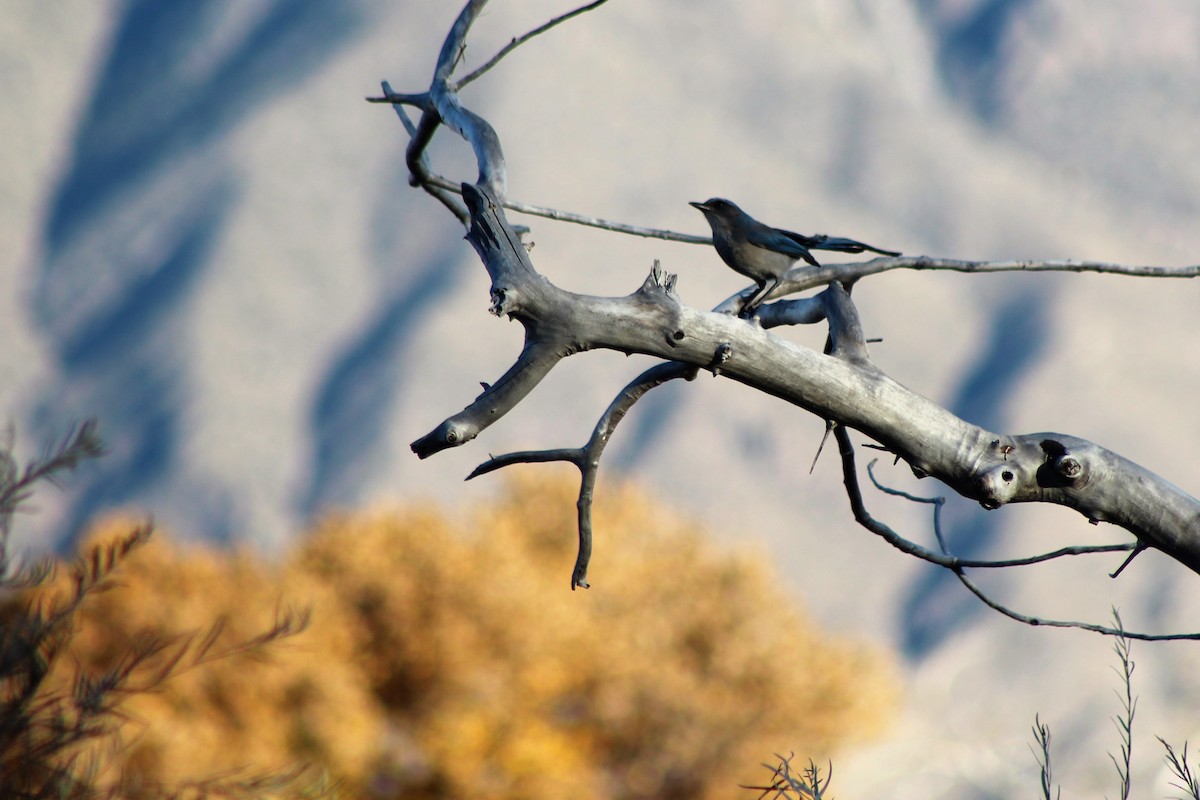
pixel 836 244
pixel 840 245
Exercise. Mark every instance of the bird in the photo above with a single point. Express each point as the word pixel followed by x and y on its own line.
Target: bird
pixel 763 253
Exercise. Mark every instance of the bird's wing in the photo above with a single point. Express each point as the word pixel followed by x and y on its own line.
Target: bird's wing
pixel 838 244
pixel 781 242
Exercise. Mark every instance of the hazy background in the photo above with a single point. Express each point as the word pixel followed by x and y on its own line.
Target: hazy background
pixel 208 242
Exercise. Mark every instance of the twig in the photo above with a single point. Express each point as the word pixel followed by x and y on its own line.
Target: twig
pixel 422 173
pixel 958 566
pixel 1041 735
pixel 950 561
pixel 520 40
pixel 587 458
pixel 608 225
pixel 1124 719
pixel 810 277
pixel 78 445
pixel 821 447
pixel 1183 771
pixel 1134 553
pixel 786 783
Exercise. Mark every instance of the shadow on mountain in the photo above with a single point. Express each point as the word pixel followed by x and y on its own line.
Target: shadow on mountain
pixel 123 366
pixel 648 423
pixel 359 392
pixel 145 195
pixel 937 605
pixel 162 92
pixel 970 49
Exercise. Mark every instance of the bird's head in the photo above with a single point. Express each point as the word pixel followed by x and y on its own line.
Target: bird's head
pixel 718 211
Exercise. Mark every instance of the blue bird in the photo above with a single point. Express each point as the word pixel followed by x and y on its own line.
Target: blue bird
pixel 763 253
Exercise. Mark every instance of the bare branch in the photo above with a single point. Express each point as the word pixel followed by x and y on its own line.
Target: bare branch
pixel 1084 626
pixel 616 411
pixel 572 455
pixel 456 42
pixel 846 339
pixel 954 562
pixel 802 278
pixel 441 106
pixel 958 566
pixel 608 225
pixel 842 386
pixel 587 458
pixel 520 40
pixel 806 277
pixel 1062 265
pixel 990 468
pixel 798 311
pixel 416 157
pixel 535 361
pixel 909 547
pixel 442 182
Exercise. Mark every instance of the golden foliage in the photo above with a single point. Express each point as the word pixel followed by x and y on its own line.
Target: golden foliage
pixel 186 655
pixel 450 659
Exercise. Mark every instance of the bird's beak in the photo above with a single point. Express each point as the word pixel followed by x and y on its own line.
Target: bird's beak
pixel 700 206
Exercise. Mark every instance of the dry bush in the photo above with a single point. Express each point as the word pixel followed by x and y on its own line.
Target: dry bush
pixel 69 693
pixel 240 708
pixel 74 668
pixel 450 659
pixel 674 677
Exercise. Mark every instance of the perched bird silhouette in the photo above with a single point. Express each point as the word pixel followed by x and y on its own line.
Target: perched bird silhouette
pixel 763 253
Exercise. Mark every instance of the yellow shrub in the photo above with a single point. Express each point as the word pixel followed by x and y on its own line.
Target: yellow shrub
pixel 449 658
pixel 299 699
pixel 675 676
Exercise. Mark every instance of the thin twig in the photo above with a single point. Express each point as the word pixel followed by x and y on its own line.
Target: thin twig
pixel 1182 770
pixel 78 445
pixel 953 563
pixel 520 40
pixel 1134 553
pixel 1063 265
pixel 1041 735
pixel 444 183
pixel 805 277
pixel 608 225
pixel 787 784
pixel 1124 719
pixel 572 455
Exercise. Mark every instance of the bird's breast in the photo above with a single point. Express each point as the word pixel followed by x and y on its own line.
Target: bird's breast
pixel 756 262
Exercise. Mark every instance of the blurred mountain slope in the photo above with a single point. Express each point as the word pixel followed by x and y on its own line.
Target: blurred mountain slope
pixel 209 243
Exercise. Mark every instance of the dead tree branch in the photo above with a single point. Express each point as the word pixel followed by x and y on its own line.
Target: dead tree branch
pixel 843 385
pixel 957 565
pixel 520 40
pixel 587 458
